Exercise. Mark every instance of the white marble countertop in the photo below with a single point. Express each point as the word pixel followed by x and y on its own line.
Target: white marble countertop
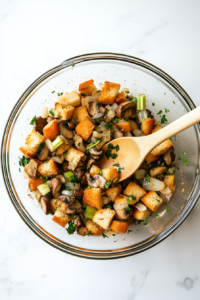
pixel 38 35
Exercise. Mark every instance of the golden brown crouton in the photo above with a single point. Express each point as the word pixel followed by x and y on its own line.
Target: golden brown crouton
pixel 162 148
pixel 85 129
pixel 103 217
pixel 127 200
pixel 134 190
pixel 34 183
pixel 61 218
pixel 114 192
pixel 28 152
pixel 51 130
pixel 169 180
pixel 110 174
pixel 72 99
pixel 34 140
pixel 147 125
pixel 121 97
pixel 109 92
pixel 141 215
pixel 48 168
pixel 87 87
pixel 94 170
pixel 152 201
pixel 150 158
pixel 158 170
pixel 64 113
pixel 119 226
pixel 80 113
pixel 172 188
pixel 73 157
pixel 156 128
pixel 53 205
pixel 92 197
pixel 124 126
pixel 62 148
pixel 94 228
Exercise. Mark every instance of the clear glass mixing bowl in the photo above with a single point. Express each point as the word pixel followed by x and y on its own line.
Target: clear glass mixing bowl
pixel 140 77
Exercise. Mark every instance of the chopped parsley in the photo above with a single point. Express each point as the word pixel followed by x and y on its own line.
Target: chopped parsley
pixel 41 177
pixel 185 161
pixel 71 228
pixel 145 223
pixel 129 231
pixel 107 206
pixel 109 149
pixel 167 210
pixel 115 179
pixel 73 65
pixel 160 112
pixel 47 178
pixel 133 197
pixel 67 188
pixel 108 126
pixel 53 92
pixel 119 168
pixel 89 233
pixel 51 112
pixel 60 94
pixel 127 92
pixel 79 144
pixel 167 173
pixel 113 234
pixel 158 200
pixel 180 158
pixel 128 200
pixel 127 209
pixel 40 147
pixel 185 153
pixel 147 177
pixel 23 161
pixel 19 170
pixel 104 236
pixel 100 172
pixel 157 215
pixel 163 119
pixel 99 91
pixel 174 102
pixel 167 110
pixel 107 183
pixel 88 187
pixel 134 100
pixel 46 161
pixel 153 104
pixel 99 120
pixel 82 94
pixel 33 121
pixel 163 164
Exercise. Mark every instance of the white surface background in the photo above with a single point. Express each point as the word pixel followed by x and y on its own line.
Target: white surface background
pixel 34 37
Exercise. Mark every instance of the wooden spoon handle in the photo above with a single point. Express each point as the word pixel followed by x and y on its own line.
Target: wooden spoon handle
pixel 175 127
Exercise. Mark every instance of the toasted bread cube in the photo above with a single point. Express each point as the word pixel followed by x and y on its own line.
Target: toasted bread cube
pixel 34 183
pixel 87 87
pixel 72 99
pixel 28 152
pixel 53 205
pixel 92 197
pixel 150 158
pixel 121 97
pixel 64 113
pixel 109 92
pixel 61 218
pixel 51 130
pixel 147 125
pixel 152 201
pixel 172 188
pixel 121 199
pixel 34 140
pixel 124 126
pixel 114 192
pixel 169 180
pixel 109 174
pixel 48 168
pixel 141 215
pixel 119 226
pixel 94 228
pixel 85 129
pixel 73 157
pixel 94 170
pixel 156 128
pixel 62 148
pixel 134 190
pixel 158 170
pixel 104 217
pixel 162 148
pixel 80 113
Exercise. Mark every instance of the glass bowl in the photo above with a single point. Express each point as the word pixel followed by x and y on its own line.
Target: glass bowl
pixel 140 77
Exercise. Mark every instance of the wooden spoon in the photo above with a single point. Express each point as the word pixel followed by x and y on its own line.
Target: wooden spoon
pixel 133 150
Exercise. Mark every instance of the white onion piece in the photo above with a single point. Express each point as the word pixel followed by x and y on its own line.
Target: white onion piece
pixel 68 193
pixel 166 191
pixel 140 207
pixel 26 175
pixel 99 115
pixel 48 144
pixel 114 106
pixel 120 206
pixel 106 136
pixel 171 170
pixel 45 112
pixel 142 114
pixel 137 132
pixel 139 174
pixel 93 140
pixel 64 139
pixel 49 183
pixel 73 186
pixel 57 159
pixel 153 185
pixel 97 135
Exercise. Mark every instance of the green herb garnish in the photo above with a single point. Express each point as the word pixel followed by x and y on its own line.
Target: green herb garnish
pixel 127 209
pixel 53 92
pixel 147 177
pixel 133 197
pixel 71 228
pixel 115 179
pixel 108 126
pixel 160 112
pixel 163 119
pixel 134 100
pixel 145 223
pixel 33 121
pixel 129 231
pixel 128 200
pixel 51 112
pixel 23 161
pixel 40 147
pixel 166 110
pixel 153 104
pixel 107 184
pixel 104 236
pixel 100 172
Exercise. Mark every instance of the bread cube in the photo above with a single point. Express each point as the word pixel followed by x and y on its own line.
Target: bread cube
pixel 94 170
pixel 147 125
pixel 125 199
pixel 94 228
pixel 134 190
pixel 51 130
pixel 80 113
pixel 157 128
pixel 152 201
pixel 34 183
pixel 53 205
pixel 64 113
pixel 124 126
pixel 34 140
pixel 109 92
pixel 85 129
pixel 169 180
pixel 172 188
pixel 87 87
pixel 61 218
pixel 121 97
pixel 73 157
pixel 92 197
pixel 48 168
pixel 28 152
pixel 72 99
pixel 119 226
pixel 109 174
pixel 150 158
pixel 141 215
pixel 114 192
pixel 104 217
pixel 62 148
pixel 163 147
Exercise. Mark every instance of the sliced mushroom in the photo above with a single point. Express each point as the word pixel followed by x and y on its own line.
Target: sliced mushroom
pixel 65 166
pixel 95 152
pixel 105 199
pixel 123 214
pixel 71 125
pixel 80 144
pixel 65 207
pixel 79 193
pixel 93 108
pixel 126 109
pixel 84 180
pixel 45 204
pixel 169 156
pixel 90 162
pixel 157 171
pixel 31 169
pixel 102 110
pixel 98 182
pixel 77 221
pixel 40 124
pixel 66 129
pixel 66 199
pixel 43 153
pixel 38 196
pixel 61 177
pixel 83 231
pixel 79 173
pixel 55 187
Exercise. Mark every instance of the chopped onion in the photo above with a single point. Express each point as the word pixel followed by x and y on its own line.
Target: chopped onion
pixel 64 139
pixel 49 183
pixel 120 206
pixel 114 106
pixel 137 132
pixel 93 140
pixel 153 185
pixel 45 112
pixel 142 114
pixel 49 144
pixel 171 170
pixel 97 135
pixel 73 186
pixel 166 191
pixel 57 159
pixel 26 175
pixel 99 115
pixel 140 207
pixel 139 174
pixel 68 193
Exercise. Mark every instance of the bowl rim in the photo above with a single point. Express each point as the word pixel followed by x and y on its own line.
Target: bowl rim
pixel 56 243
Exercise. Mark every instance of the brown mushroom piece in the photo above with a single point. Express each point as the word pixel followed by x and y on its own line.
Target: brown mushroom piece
pixel 79 173
pixel 31 169
pixel 77 221
pixel 65 206
pixel 71 125
pixel 79 193
pixel 65 166
pixel 97 182
pixel 84 180
pixel 67 199
pixel 126 109
pixel 55 187
pixel 169 156
pixel 123 214
pixel 38 196
pixel 105 199
pixel 93 108
pixel 83 231
pixel 95 152
pixel 61 177
pixel 66 129
pixel 90 162
pixel 43 153
pixel 45 204
pixel 157 171
pixel 80 144
pixel 40 124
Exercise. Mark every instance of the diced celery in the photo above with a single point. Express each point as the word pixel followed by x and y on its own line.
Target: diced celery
pixel 69 175
pixel 141 104
pixel 89 212
pixel 44 188
pixel 56 143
